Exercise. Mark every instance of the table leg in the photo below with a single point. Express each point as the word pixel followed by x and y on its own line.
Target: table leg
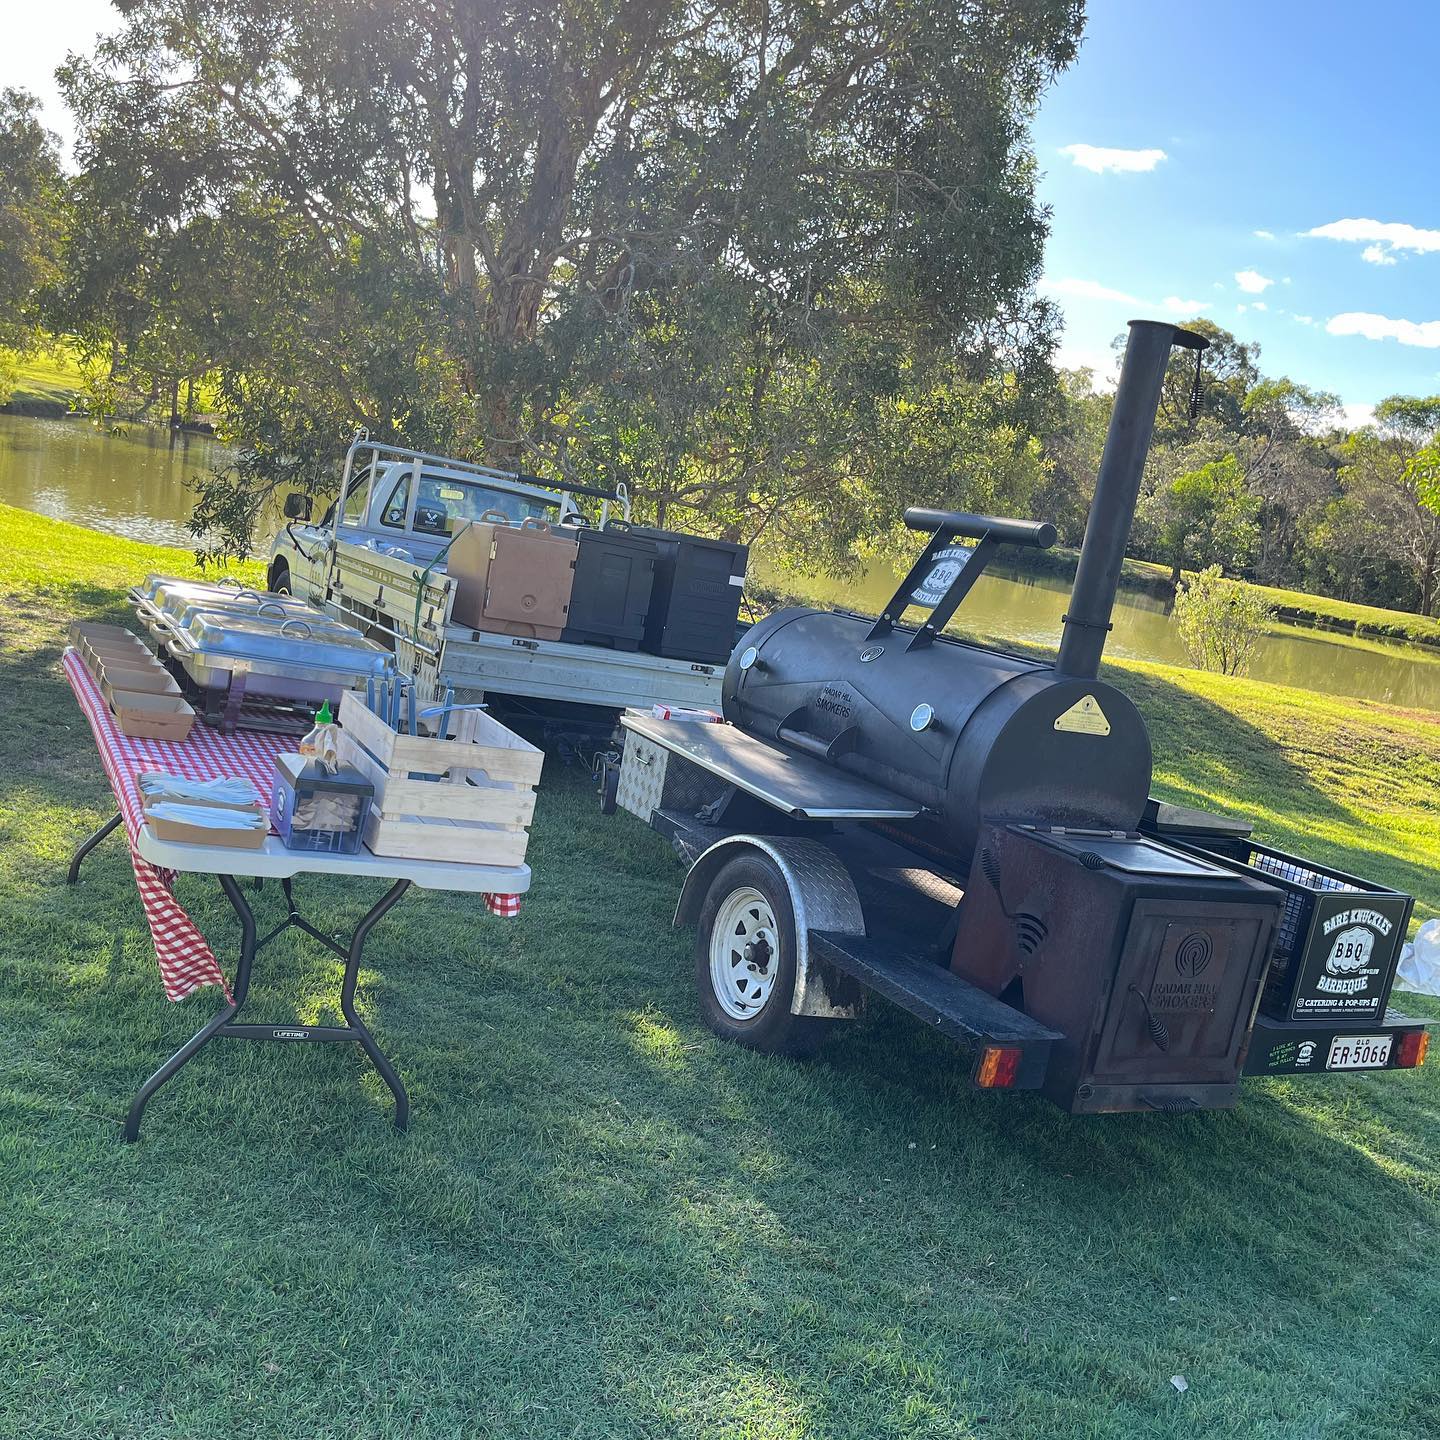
pixel 206 1033
pixel 220 1024
pixel 377 1056
pixel 87 845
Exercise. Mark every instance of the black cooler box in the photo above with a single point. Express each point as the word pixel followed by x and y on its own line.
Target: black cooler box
pixel 697 596
pixel 614 577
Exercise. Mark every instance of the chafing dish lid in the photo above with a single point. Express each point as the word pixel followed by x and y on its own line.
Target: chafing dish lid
pixel 319 645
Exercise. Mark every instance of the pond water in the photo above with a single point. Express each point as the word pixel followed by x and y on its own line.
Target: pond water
pixel 134 485
pixel 130 484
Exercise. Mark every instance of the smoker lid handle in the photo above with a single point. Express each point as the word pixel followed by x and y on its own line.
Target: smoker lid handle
pixel 1036 534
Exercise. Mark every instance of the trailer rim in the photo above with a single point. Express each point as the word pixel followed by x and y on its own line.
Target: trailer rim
pixel 744 953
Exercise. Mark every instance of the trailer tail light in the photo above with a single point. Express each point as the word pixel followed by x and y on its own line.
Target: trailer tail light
pixel 1412 1050
pixel 999 1064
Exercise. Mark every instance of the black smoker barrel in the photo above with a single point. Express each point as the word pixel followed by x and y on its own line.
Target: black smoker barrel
pixel 966 730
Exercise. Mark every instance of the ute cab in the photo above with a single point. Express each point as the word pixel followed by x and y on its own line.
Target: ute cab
pixel 408 505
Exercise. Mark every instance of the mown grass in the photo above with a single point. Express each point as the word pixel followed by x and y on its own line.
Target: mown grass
pixel 606 1223
pixel 46 380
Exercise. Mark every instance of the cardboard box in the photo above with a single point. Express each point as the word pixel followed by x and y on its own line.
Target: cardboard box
pixel 240 838
pixel 82 630
pixel 128 650
pixel 121 674
pixel 142 716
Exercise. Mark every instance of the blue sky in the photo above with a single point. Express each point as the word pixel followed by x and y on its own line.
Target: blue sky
pixel 1276 119
pixel 1282 117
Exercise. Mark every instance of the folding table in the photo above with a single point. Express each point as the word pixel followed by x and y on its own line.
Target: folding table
pixel 185 960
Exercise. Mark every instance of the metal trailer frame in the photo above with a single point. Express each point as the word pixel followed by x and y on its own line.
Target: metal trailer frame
pixel 850 937
pixel 819 850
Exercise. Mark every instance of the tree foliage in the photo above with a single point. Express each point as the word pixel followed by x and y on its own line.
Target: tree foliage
pixel 30 214
pixel 738 255
pixel 1220 622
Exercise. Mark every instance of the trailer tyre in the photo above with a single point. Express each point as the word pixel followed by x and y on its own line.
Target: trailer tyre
pixel 745 952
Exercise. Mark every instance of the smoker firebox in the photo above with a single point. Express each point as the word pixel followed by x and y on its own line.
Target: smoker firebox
pixel 1149 961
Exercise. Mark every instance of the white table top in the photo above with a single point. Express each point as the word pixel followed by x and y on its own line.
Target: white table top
pixel 273 860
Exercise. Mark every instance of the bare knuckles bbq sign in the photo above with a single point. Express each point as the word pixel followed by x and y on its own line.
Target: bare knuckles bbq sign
pixel 1347 963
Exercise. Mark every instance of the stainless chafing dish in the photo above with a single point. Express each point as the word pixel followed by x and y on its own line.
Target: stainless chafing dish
pixel 165 606
pixel 245 647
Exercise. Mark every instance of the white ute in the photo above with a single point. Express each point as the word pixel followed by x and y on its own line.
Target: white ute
pixel 377 560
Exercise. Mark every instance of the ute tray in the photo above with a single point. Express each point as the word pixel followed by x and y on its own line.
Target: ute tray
pixel 956 1008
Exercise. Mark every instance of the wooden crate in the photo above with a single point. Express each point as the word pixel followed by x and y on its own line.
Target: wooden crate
pixel 476 813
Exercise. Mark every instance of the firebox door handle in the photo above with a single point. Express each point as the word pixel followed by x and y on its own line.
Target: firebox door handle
pixel 1155 1027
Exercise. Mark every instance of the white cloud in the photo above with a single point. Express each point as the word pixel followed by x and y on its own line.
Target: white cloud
pixel 1102 364
pixel 1074 289
pixel 1305 319
pixel 1252 282
pixel 1422 333
pixel 1358 415
pixel 1100 158
pixel 1258 305
pixel 1241 309
pixel 1263 234
pixel 1070 287
pixel 1381 238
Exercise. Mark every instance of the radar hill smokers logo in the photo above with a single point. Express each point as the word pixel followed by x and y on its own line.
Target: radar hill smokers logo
pixel 1187 991
pixel 1348 967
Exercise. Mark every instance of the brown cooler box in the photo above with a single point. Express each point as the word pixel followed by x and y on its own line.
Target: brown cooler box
pixel 512 579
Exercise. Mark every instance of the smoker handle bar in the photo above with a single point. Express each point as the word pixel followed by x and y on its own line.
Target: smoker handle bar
pixel 1036 534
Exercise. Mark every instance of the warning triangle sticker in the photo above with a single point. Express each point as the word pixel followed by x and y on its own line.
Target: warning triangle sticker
pixel 1084 717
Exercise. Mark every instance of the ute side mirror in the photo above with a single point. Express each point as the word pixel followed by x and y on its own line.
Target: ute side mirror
pixel 297 506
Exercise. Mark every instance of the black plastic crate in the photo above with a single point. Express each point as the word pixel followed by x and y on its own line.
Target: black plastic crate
pixel 614 577
pixel 1339 939
pixel 697 596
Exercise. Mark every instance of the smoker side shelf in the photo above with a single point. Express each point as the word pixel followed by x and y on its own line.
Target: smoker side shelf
pixel 957 1009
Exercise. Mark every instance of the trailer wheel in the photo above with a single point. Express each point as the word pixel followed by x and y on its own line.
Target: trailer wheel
pixel 745 960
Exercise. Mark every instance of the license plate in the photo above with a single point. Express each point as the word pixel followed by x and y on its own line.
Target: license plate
pixel 1359 1052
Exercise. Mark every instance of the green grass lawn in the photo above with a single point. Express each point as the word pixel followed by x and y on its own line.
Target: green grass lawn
pixel 606 1223
pixel 47 378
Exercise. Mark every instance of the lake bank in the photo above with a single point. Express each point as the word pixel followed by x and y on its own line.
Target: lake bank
pixel 134 484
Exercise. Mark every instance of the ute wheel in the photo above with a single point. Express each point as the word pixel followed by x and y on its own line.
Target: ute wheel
pixel 280 580
pixel 745 961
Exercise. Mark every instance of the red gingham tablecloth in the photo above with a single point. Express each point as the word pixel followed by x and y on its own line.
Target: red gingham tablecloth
pixel 186 961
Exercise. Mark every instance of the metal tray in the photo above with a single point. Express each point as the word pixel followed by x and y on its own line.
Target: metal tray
pixel 287 658
pixel 157 587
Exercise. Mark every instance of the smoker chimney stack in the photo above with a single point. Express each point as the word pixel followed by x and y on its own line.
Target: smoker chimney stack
pixel 1117 488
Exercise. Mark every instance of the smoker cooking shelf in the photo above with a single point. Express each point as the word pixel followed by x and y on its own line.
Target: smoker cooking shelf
pixel 798 785
pixel 957 1009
